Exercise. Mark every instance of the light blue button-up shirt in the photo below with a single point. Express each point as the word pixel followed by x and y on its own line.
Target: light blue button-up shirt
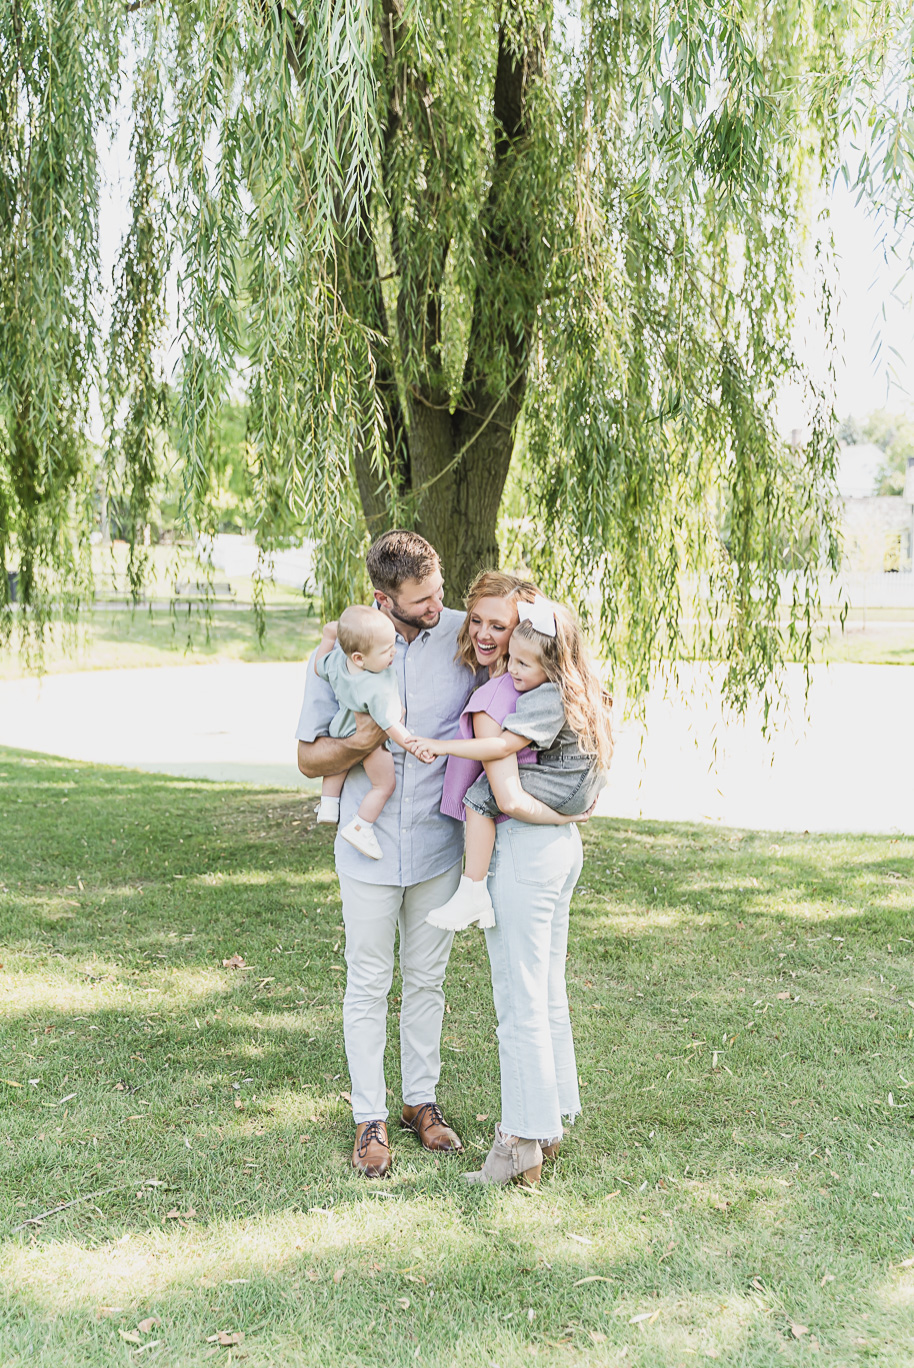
pixel 417 840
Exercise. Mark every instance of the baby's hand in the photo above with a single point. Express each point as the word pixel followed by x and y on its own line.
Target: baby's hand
pixel 330 631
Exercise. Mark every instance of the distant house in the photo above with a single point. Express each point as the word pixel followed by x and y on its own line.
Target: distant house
pixel 877 527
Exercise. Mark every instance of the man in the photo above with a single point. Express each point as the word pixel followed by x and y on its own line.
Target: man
pixel 421 852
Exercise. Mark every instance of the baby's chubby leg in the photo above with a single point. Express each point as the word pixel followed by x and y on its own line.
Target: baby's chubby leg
pixel 379 766
pixel 331 788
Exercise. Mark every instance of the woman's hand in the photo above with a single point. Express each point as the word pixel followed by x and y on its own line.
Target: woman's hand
pixel 584 816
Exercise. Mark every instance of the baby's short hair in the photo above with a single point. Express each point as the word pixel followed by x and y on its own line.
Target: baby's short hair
pixel 357 629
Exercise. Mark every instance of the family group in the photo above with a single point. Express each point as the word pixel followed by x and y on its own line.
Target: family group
pixel 433 730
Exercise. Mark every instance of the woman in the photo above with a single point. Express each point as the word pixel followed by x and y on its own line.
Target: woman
pixel 537 862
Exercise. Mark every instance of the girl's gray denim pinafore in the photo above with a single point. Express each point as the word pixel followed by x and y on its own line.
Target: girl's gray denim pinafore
pixel 564 777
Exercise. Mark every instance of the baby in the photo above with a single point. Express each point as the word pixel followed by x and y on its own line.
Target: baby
pixel 362 679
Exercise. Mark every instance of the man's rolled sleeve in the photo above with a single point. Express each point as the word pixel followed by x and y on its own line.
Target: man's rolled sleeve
pixel 318 709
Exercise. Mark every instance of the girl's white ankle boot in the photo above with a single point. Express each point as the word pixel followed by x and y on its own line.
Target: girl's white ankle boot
pixel 471 903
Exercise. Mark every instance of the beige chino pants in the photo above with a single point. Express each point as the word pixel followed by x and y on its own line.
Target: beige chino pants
pixel 372 915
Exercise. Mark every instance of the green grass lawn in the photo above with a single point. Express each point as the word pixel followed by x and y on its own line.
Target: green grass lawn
pixel 740 1187
pixel 124 638
pixel 168 630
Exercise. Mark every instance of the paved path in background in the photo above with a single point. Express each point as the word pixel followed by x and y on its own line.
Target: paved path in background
pixel 849 768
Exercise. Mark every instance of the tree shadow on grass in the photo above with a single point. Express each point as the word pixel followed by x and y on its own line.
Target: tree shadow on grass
pixel 725 1168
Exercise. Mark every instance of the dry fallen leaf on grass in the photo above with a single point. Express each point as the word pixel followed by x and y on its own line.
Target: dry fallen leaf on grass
pixel 338 1275
pixel 347 1097
pixel 130 1336
pixel 236 962
pixel 226 1337
pixel 597 1337
pixel 798 1331
pixel 482 1116
pixel 783 997
pixel 645 1316
pixel 595 1277
pixel 403 1303
pixel 581 1239
pixel 103 1312
pixel 148 1324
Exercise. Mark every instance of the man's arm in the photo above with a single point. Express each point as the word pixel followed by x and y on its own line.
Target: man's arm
pixel 335 754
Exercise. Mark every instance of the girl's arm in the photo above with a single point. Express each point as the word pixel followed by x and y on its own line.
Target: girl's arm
pixel 498 746
pixel 504 778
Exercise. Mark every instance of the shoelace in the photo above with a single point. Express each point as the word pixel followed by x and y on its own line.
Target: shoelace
pixel 371 1132
pixel 429 1114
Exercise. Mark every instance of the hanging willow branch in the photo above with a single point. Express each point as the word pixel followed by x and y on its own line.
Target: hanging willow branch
pixel 435 249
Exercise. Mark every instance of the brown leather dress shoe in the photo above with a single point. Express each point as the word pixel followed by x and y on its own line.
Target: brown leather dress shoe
pixel 427 1122
pixel 371 1152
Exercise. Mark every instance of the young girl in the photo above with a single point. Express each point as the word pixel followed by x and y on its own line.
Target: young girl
pixel 562 711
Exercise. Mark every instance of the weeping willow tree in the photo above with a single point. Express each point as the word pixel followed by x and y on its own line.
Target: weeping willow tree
pixel 435 244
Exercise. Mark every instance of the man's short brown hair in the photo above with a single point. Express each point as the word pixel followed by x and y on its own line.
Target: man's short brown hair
pixel 397 556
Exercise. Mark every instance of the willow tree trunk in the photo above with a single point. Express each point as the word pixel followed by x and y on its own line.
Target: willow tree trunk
pixel 462 495
pixel 448 450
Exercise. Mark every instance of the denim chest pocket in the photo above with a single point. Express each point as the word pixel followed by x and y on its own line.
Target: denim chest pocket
pixel 537 861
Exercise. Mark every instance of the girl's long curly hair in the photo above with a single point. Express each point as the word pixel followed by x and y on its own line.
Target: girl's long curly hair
pixel 490 584
pixel 568 664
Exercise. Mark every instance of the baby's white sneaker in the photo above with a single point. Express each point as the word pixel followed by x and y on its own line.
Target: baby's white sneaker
pixel 361 835
pixel 471 903
pixel 329 811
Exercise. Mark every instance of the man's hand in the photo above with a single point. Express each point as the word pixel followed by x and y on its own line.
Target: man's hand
pixel 367 735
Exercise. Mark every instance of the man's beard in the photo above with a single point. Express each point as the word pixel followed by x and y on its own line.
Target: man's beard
pixel 422 623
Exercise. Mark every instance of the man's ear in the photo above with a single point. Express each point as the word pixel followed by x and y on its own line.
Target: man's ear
pixel 382 599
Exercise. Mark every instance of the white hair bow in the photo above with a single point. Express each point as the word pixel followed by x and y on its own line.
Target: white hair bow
pixel 540 614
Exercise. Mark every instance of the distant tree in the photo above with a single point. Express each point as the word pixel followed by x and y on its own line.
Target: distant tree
pixel 848 431
pixel 427 235
pixel 893 433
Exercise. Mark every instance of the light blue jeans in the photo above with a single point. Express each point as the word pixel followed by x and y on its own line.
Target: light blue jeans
pixel 531 880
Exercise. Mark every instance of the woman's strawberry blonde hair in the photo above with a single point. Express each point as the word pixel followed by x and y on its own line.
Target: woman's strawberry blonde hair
pixel 568 664
pixel 490 584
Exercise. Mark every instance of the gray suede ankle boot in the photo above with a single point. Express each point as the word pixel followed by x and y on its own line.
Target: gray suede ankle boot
pixel 510 1160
